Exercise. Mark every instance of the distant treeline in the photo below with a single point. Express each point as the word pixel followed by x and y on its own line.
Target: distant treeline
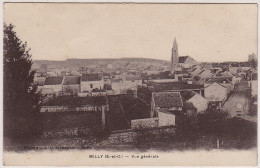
pixel 72 63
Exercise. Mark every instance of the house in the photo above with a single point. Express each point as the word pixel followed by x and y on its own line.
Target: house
pixel 215 70
pixel 177 87
pixel 45 91
pixel 117 85
pixel 127 112
pixel 180 74
pixel 199 102
pixel 110 66
pixel 216 92
pixel 195 71
pixel 186 78
pixel 52 73
pixel 186 61
pixel 107 80
pixel 132 80
pixel 74 72
pixel 107 77
pixel 206 73
pixel 53 83
pixel 166 105
pixel 235 70
pixel 228 74
pixel 127 82
pixel 225 74
pixel 91 81
pixel 224 81
pixel 254 84
pixel 194 102
pixel 163 77
pixel 39 80
pixel 71 84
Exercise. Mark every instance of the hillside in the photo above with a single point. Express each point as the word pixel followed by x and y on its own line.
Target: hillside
pixel 73 63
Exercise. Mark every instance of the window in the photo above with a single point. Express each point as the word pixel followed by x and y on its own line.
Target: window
pixel 91 86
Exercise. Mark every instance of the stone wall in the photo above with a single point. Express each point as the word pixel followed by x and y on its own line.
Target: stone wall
pixel 130 135
pixel 99 93
pixel 85 108
pixel 84 94
pixel 145 123
pixel 68 132
pixel 71 123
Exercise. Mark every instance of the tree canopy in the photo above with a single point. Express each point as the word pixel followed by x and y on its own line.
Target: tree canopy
pixel 20 95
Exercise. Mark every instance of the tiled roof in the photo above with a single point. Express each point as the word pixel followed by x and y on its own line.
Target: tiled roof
pixel 182 59
pixel 205 71
pixel 91 77
pixel 171 86
pixel 57 80
pixel 186 95
pixel 194 69
pixel 167 99
pixel 71 80
pixel 202 71
pixel 228 74
pixel 217 84
pixel 218 80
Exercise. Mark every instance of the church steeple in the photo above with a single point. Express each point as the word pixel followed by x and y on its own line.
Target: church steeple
pixel 175 55
pixel 174 42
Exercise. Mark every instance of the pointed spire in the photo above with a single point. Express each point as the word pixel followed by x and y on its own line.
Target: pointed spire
pixel 174 42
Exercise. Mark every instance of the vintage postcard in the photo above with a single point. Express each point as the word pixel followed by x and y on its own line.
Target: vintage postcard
pixel 130 84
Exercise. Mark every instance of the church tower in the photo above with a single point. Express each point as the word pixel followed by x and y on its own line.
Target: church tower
pixel 175 56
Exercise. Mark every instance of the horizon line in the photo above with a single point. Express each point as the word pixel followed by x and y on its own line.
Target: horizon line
pixel 133 58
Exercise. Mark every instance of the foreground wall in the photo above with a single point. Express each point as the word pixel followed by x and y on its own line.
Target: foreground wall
pixel 130 135
pixel 145 123
pixel 59 124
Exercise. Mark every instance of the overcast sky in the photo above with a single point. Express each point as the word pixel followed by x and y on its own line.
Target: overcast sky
pixel 208 32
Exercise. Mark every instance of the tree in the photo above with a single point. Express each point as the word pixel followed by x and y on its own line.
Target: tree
pixel 107 86
pixel 144 93
pixel 187 129
pixel 252 60
pixel 20 97
pixel 130 92
pixel 212 122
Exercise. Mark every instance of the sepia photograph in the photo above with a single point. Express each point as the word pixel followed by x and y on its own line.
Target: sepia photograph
pixel 130 84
